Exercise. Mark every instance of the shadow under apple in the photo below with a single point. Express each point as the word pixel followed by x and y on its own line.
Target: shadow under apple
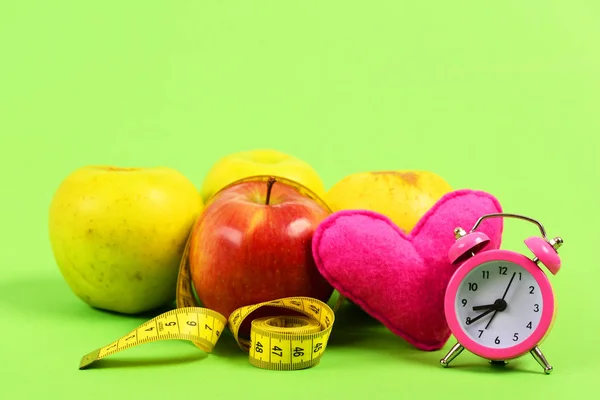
pixel 47 296
pixel 43 296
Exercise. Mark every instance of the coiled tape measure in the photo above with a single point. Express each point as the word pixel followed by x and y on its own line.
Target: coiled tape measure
pixel 275 343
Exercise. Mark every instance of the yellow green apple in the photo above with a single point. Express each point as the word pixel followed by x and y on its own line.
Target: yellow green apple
pixel 404 196
pixel 243 164
pixel 118 234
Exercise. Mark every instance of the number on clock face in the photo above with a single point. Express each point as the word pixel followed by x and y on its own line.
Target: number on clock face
pixel 485 285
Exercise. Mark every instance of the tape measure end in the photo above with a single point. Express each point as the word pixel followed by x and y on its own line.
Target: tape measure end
pixel 89 359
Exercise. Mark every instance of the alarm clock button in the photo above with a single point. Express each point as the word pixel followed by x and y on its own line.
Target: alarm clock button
pixel 544 252
pixel 464 246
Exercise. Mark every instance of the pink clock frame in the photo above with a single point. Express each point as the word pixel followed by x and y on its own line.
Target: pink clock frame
pixel 537 336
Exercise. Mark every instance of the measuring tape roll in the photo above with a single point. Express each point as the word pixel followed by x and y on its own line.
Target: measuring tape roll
pixel 275 343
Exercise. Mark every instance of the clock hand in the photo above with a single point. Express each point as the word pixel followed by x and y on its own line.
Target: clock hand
pixel 483 314
pixel 490 321
pixel 502 300
pixel 509 283
pixel 485 307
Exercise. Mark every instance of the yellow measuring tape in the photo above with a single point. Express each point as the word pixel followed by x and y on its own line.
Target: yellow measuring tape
pixel 275 343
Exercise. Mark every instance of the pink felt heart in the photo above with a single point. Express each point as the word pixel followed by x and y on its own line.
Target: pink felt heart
pixel 400 279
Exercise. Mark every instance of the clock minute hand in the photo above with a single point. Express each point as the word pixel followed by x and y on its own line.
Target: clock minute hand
pixel 509 283
pixel 503 296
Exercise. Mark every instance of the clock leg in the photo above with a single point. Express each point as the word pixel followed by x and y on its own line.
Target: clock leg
pixel 452 354
pixel 539 357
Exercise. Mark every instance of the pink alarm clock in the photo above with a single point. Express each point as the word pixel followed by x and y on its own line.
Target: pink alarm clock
pixel 499 304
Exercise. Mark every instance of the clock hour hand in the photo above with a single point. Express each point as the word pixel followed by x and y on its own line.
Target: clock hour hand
pixel 483 314
pixel 484 307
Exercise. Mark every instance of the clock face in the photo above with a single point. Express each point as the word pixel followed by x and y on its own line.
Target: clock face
pixel 508 304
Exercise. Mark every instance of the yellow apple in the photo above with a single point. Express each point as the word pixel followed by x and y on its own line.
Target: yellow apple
pixel 404 196
pixel 118 234
pixel 243 164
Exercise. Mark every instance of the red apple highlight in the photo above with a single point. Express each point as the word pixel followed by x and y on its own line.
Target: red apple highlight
pixel 252 243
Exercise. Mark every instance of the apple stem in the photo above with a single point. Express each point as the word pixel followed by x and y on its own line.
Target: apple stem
pixel 270 183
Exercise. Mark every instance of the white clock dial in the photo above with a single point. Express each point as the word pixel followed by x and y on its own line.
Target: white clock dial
pixel 515 317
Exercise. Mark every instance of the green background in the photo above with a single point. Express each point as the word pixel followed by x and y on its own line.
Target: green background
pixel 499 96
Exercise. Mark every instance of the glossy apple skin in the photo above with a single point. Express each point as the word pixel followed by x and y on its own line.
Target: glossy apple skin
pixel 243 252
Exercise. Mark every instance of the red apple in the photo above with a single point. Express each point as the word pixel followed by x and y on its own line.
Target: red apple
pixel 252 243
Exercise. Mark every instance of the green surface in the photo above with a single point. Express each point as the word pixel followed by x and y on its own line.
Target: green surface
pixel 499 96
